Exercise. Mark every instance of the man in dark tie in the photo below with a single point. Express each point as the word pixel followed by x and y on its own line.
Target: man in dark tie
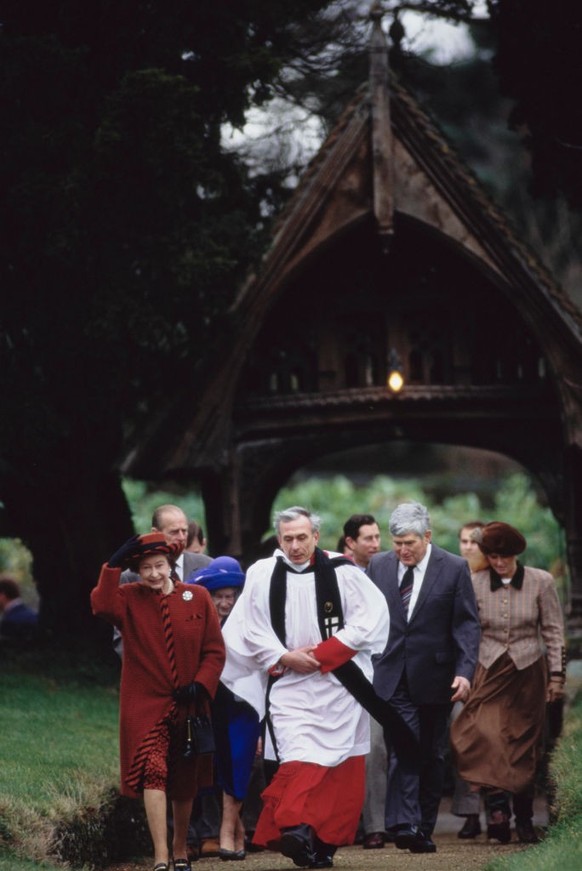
pixel 427 665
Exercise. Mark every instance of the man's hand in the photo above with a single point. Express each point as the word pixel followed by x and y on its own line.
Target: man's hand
pixel 461 686
pixel 301 660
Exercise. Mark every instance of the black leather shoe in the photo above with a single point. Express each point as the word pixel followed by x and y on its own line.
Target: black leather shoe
pixel 297 844
pixel 321 860
pixel 412 838
pixel 322 853
pixel 423 844
pixel 471 827
pixel 526 832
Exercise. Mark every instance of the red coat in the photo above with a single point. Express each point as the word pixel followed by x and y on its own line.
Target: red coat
pixel 147 676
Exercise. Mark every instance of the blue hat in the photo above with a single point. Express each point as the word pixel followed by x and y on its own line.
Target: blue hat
pixel 224 571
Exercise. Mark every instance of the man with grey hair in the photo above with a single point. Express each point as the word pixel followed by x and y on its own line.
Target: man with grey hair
pixel 427 665
pixel 305 628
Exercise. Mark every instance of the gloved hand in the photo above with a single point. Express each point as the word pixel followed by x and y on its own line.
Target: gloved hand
pixel 188 692
pixel 126 550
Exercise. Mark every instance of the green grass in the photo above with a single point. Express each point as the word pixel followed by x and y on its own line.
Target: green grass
pixel 11 862
pixel 59 772
pixel 562 849
pixel 59 749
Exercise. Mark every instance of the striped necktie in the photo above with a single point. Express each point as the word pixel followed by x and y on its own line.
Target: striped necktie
pixel 405 587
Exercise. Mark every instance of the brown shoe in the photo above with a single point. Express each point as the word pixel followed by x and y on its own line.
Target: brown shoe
pixel 209 847
pixel 373 841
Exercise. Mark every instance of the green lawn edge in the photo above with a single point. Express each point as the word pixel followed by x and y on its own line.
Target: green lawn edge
pixel 561 849
pixel 59 801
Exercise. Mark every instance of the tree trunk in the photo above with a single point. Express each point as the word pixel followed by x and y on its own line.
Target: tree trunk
pixel 72 515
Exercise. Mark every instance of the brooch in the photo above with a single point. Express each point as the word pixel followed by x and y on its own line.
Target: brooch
pixel 328 607
pixel 187 595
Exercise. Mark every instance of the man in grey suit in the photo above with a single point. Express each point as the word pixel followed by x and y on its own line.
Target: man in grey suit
pixel 427 665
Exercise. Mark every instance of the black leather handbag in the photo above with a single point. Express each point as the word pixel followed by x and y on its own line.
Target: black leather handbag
pixel 199 736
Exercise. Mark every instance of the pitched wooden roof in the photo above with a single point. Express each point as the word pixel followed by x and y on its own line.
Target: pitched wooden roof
pixel 345 185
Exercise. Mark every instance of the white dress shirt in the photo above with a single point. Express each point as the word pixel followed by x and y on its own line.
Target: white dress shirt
pixel 418 577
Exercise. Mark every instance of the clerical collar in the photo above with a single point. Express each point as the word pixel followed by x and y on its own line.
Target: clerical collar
pixel 516 581
pixel 295 567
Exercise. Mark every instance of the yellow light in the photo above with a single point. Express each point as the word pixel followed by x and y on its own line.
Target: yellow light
pixel 395 381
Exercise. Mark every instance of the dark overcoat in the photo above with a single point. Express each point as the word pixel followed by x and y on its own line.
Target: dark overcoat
pixel 441 637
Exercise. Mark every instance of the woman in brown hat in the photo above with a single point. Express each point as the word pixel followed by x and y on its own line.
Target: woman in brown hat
pixel 173 657
pixel 497 739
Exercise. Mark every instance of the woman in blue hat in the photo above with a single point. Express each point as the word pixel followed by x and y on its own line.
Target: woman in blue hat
pixel 236 723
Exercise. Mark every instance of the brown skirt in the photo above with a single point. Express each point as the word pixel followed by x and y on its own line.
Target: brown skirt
pixel 497 738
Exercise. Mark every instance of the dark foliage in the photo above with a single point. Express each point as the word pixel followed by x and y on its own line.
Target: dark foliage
pixel 126 231
pixel 539 63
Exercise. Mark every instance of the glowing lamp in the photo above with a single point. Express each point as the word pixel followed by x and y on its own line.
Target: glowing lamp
pixel 395 379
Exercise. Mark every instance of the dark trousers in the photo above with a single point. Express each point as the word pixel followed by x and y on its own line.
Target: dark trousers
pixel 418 736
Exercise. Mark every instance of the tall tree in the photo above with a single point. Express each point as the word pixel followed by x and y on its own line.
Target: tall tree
pixel 126 230
pixel 540 67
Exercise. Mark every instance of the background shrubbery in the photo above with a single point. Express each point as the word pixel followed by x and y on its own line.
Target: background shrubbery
pixel 334 497
pixel 514 501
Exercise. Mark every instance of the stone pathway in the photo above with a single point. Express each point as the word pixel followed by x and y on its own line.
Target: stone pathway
pixel 452 854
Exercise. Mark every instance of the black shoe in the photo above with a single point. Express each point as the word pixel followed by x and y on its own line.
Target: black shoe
pixel 526 832
pixel 390 834
pixel 322 853
pixel 412 838
pixel 424 844
pixel 321 860
pixel 231 855
pixel 297 844
pixel 471 827
pixel 498 827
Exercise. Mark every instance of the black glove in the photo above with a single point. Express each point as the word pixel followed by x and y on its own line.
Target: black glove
pixel 126 550
pixel 187 693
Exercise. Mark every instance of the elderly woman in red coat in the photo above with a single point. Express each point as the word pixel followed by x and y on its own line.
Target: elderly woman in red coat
pixel 173 657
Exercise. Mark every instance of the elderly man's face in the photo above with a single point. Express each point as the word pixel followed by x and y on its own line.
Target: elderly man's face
pixel 411 548
pixel 174 527
pixel 298 540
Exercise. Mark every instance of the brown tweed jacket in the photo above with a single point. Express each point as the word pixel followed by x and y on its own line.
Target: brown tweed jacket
pixel 526 623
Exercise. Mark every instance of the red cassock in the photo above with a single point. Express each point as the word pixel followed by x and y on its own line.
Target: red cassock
pixel 168 641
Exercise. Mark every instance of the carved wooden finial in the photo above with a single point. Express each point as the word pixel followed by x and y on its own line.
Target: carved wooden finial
pixel 381 128
pixel 376 11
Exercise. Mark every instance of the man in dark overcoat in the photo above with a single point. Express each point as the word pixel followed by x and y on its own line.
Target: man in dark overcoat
pixel 427 665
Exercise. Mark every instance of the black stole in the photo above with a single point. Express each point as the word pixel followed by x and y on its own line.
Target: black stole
pixel 330 618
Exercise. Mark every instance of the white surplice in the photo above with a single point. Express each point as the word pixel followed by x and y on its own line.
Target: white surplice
pixel 315 719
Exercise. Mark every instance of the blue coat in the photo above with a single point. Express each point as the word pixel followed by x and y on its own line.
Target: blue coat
pixel 441 638
pixel 19 622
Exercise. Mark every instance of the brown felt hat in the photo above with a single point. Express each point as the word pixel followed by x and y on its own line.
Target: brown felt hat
pixel 501 538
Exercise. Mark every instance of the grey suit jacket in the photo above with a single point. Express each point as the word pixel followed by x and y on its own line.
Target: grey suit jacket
pixel 441 637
